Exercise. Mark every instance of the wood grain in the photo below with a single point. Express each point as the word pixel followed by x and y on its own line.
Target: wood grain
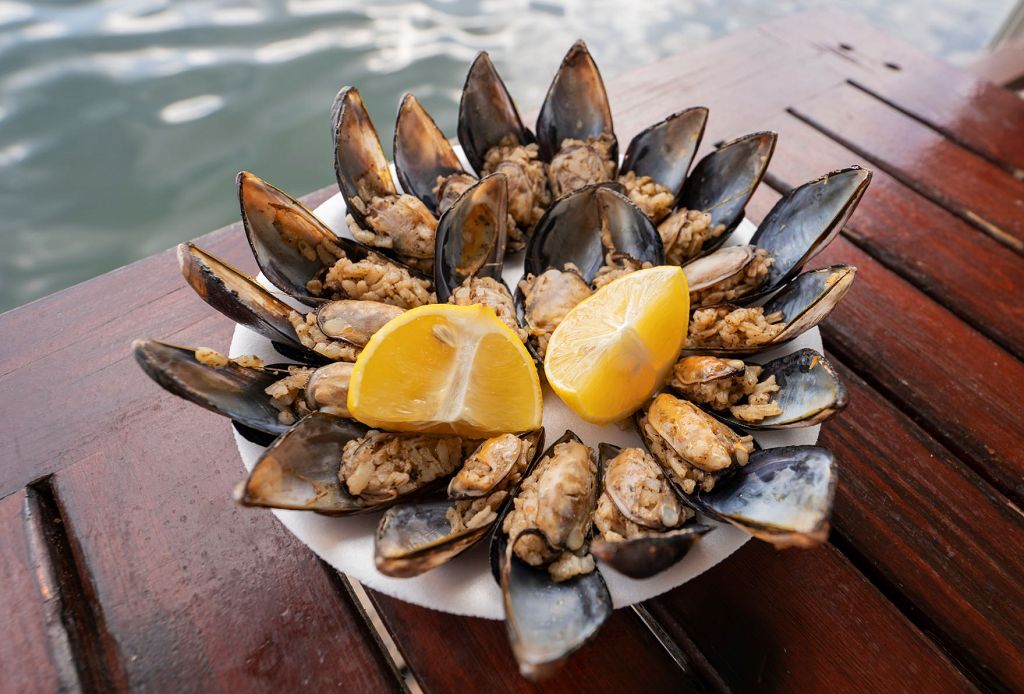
pixel 450 653
pixel 936 532
pixel 964 270
pixel 803 621
pixel 973 188
pixel 965 108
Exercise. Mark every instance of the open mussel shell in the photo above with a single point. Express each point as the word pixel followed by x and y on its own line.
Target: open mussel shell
pixel 352 321
pixel 487 113
pixel 583 226
pixel 782 496
pixel 238 296
pixel 723 182
pixel 717 267
pixel 470 237
pixel 422 152
pixel 665 150
pixel 414 538
pixel 805 220
pixel 234 391
pixel 546 621
pixel 810 392
pixel 360 164
pixel 285 236
pixel 645 556
pixel 576 105
pixel 300 469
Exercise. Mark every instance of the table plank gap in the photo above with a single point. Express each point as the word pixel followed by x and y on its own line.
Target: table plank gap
pixel 949 99
pixel 1003 224
pixel 95 655
pixel 951 135
pixel 656 617
pixel 971 274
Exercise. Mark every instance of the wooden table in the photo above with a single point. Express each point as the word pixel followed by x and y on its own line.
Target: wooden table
pixel 124 564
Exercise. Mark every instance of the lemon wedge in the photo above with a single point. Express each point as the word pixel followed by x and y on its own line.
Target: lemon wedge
pixel 446 369
pixel 615 348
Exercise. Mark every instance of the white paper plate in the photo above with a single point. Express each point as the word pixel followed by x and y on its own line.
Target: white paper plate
pixel 464 586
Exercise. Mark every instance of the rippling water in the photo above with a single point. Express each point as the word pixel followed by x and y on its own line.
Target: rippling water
pixel 122 123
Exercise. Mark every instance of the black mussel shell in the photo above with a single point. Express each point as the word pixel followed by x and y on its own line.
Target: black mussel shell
pixel 546 621
pixel 576 105
pixel 805 220
pixel 583 226
pixel 809 298
pixel 665 150
pixel 782 496
pixel 300 469
pixel 360 164
pixel 283 234
pixel 422 152
pixel 414 538
pixel 487 113
pixel 232 390
pixel 470 237
pixel 237 295
pixel 643 557
pixel 723 182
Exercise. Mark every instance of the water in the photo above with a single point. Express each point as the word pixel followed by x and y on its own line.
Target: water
pixel 122 124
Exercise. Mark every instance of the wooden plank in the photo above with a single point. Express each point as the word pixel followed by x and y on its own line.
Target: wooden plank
pixel 968 109
pixel 968 272
pixel 960 386
pixel 26 661
pixel 922 158
pixel 450 653
pixel 802 620
pixel 193 587
pixel 963 572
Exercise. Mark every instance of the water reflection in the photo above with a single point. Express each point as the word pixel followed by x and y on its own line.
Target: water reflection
pixel 122 123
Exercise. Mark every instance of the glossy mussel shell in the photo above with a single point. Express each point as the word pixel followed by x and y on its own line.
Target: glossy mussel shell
pixel 487 113
pixel 782 496
pixel 284 236
pixel 583 226
pixel 576 105
pixel 805 220
pixel 470 237
pixel 360 164
pixel 546 621
pixel 422 152
pixel 665 150
pixel 650 554
pixel 723 182
pixel 234 391
pixel 414 538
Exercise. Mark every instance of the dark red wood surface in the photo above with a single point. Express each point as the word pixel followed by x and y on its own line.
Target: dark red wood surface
pixel 126 566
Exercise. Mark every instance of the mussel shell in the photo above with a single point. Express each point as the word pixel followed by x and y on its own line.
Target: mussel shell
pixel 487 113
pixel 546 621
pixel 717 267
pixel 470 236
pixel 354 321
pixel 810 392
pixel 414 538
pixel 232 390
pixel 277 225
pixel 360 164
pixel 809 298
pixel 645 556
pixel 236 295
pixel 723 182
pixel 576 105
pixel 805 220
pixel 572 231
pixel 422 152
pixel 665 150
pixel 782 496
pixel 331 379
pixel 300 469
